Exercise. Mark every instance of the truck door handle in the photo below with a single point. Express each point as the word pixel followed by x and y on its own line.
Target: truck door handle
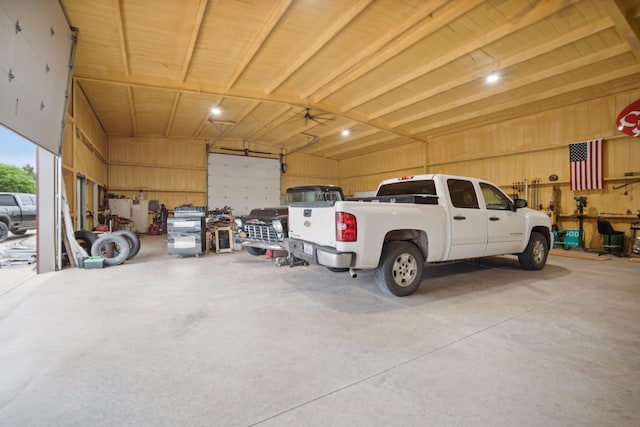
pixel 459 217
pixel 494 218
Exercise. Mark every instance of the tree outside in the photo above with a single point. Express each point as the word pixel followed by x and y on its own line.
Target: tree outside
pixel 17 180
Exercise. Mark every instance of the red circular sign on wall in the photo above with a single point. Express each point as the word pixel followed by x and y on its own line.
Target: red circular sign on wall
pixel 628 120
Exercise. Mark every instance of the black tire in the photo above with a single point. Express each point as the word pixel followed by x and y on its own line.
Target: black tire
pixel 535 255
pixel 19 232
pixel 120 251
pixel 338 269
pixel 86 239
pixel 400 269
pixel 4 231
pixel 132 239
pixel 256 251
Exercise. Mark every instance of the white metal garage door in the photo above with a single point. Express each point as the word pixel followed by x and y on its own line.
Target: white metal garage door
pixel 36 46
pixel 36 56
pixel 243 182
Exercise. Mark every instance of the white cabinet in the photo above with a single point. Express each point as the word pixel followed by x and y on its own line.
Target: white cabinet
pixel 134 210
pixel 140 215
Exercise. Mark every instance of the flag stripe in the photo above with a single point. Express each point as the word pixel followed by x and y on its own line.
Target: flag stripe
pixel 586 165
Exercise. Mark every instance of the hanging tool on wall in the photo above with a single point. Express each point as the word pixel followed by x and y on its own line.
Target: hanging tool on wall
pixel 517 188
pixel 535 194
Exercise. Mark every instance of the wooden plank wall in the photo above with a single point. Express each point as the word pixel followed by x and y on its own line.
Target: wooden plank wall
pixel 84 152
pixel 172 171
pixel 532 147
pixel 303 169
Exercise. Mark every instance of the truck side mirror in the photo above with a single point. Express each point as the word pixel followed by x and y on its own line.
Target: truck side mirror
pixel 518 204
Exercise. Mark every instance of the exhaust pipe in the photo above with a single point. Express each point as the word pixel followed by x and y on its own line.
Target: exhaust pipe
pixel 353 273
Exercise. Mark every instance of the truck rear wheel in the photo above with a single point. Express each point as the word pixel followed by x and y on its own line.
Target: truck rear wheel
pixel 535 255
pixel 400 269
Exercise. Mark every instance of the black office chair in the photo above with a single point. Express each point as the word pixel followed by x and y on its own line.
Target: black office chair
pixel 612 240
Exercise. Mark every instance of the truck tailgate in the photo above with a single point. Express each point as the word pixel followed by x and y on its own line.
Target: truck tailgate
pixel 313 223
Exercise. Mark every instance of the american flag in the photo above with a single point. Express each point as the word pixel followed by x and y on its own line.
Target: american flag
pixel 586 165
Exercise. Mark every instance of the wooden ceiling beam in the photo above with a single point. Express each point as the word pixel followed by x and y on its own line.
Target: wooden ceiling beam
pixel 527 79
pixel 320 41
pixel 536 15
pixel 348 146
pixel 368 147
pixel 124 50
pixel 276 14
pixel 251 106
pixel 205 119
pixel 202 7
pixel 623 13
pixel 132 110
pixel 538 96
pixel 376 45
pixel 361 134
pixel 172 115
pixel 401 43
pixel 279 117
pixel 293 143
pixel 523 56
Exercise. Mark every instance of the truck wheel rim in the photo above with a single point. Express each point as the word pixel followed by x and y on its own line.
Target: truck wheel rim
pixel 405 269
pixel 538 252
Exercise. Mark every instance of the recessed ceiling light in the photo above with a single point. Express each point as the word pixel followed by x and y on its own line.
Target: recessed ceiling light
pixel 216 111
pixel 345 132
pixel 493 77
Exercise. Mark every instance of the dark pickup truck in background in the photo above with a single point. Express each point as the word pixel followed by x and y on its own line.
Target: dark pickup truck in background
pixel 17 214
pixel 266 228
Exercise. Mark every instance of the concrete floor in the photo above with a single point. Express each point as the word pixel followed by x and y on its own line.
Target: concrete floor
pixel 231 340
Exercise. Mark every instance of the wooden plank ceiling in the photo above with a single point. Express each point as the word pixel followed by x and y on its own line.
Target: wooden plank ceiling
pixel 391 71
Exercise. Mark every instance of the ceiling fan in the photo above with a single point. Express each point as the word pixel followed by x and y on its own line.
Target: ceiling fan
pixel 317 117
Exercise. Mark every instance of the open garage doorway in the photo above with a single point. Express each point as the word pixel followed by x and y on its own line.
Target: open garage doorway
pixel 18 207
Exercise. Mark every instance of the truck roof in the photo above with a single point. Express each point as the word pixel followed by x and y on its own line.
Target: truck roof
pixel 428 176
pixel 314 187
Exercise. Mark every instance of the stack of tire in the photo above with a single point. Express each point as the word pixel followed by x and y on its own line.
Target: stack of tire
pixel 115 247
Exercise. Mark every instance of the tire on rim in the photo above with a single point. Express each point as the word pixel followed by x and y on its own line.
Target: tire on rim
pixel 132 239
pixel 85 238
pixel 535 255
pixel 101 247
pixel 4 231
pixel 400 269
pixel 256 251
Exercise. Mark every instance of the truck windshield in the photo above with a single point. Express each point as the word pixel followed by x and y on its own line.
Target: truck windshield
pixel 408 187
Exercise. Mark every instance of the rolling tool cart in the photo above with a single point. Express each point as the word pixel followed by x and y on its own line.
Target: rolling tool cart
pixel 187 231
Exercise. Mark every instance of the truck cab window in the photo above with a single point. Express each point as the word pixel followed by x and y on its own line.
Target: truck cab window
pixel 463 195
pixel 427 187
pixel 494 199
pixel 7 200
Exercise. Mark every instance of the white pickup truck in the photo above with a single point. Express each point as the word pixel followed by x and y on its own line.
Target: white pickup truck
pixel 418 219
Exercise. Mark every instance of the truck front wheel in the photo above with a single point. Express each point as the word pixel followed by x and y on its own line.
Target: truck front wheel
pixel 4 231
pixel 256 251
pixel 400 269
pixel 535 255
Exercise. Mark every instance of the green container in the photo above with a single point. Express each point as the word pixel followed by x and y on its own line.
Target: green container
pixel 614 240
pixel 94 262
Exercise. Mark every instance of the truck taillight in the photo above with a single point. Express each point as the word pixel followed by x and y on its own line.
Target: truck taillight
pixel 346 227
